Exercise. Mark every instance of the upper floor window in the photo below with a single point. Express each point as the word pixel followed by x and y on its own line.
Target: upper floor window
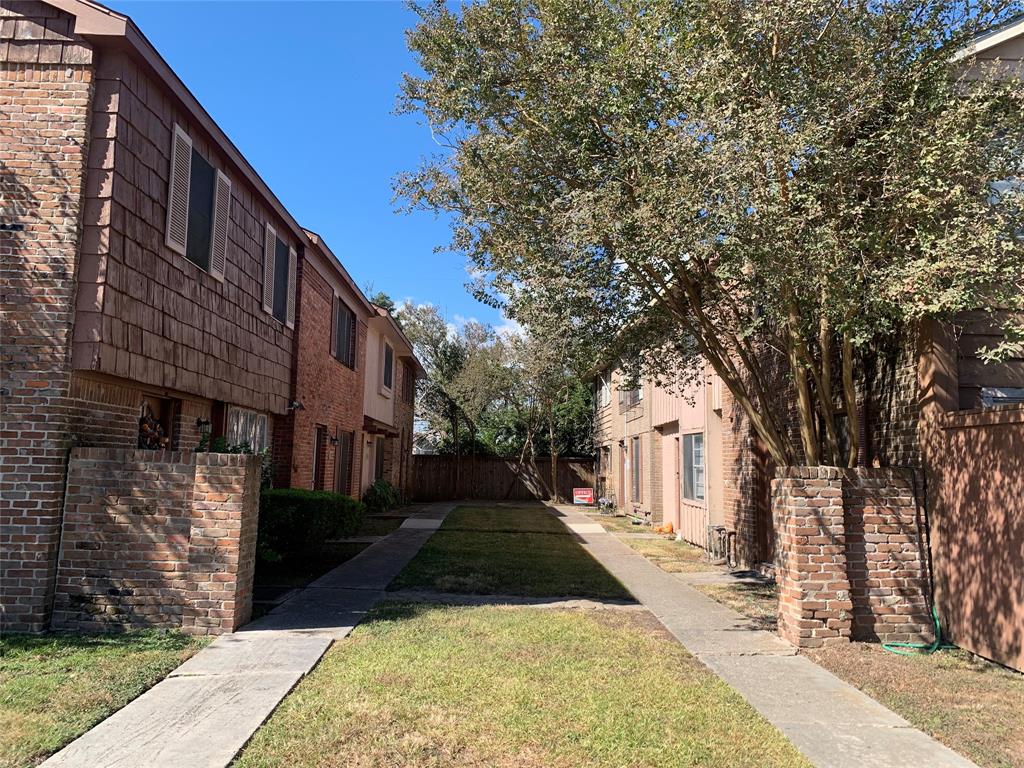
pixel 408 384
pixel 279 264
pixel 343 342
pixel 630 397
pixel 198 207
pixel 604 390
pixel 387 377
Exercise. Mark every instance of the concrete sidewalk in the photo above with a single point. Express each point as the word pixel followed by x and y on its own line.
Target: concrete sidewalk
pixel 206 710
pixel 832 723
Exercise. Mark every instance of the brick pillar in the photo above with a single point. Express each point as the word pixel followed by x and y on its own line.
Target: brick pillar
pixel 222 544
pixel 814 591
pixel 46 77
pixel 886 564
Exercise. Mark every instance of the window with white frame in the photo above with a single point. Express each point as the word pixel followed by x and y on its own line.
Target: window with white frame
pixel 693 467
pixel 198 207
pixel 247 427
pixel 635 469
pixel 387 366
pixel 279 267
pixel 604 390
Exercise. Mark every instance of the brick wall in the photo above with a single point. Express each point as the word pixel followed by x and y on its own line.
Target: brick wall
pixel 850 559
pixel 886 557
pixel 331 393
pixel 45 88
pixel 157 539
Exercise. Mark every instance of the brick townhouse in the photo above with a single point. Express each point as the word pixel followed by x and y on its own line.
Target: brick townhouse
pixel 930 517
pixel 151 288
pixel 389 397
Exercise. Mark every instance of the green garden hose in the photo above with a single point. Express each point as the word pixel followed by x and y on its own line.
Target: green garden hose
pixel 915 649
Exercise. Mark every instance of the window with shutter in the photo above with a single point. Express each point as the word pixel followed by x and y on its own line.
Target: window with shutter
pixel 269 253
pixel 198 207
pixel 281 280
pixel 293 258
pixel 343 343
pixel 178 191
pixel 387 379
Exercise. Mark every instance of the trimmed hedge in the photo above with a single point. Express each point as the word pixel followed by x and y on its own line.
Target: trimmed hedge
pixel 293 520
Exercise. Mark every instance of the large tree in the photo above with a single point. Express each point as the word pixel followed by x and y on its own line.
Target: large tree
pixel 762 184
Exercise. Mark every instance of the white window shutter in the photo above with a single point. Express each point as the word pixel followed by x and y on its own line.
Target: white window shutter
pixel 178 190
pixel 292 264
pixel 219 236
pixel 269 251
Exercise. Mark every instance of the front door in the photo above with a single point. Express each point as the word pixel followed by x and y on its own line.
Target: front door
pixel 764 471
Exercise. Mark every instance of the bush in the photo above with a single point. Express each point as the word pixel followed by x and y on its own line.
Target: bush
pixel 381 496
pixel 295 521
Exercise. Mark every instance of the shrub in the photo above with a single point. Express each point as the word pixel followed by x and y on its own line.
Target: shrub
pixel 295 521
pixel 381 496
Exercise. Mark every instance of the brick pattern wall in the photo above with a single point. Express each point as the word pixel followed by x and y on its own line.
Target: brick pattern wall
pixel 893 408
pixel 739 480
pixel 810 565
pixel 45 87
pixel 145 312
pixel 886 561
pixel 850 557
pixel 331 393
pixel 157 539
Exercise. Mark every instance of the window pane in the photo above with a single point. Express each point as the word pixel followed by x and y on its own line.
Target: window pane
pixel 281 281
pixel 688 489
pixel 635 461
pixel 698 466
pixel 389 366
pixel 200 211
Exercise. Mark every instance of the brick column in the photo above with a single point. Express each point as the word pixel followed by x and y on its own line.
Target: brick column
pixel 885 557
pixel 814 591
pixel 222 544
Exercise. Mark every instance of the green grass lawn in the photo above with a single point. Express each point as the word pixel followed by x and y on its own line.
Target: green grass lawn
pixel 511 551
pixel 55 687
pixel 418 685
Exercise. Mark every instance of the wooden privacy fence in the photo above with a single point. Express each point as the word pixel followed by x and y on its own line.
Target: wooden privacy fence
pixel 438 478
pixel 978 533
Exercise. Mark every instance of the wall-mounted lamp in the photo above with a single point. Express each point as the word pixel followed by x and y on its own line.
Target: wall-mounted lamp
pixel 295 405
pixel 203 425
pixel 334 440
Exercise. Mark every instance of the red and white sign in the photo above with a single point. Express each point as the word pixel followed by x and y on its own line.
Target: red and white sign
pixel 582 495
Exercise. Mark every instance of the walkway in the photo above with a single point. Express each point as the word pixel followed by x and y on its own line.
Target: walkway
pixel 832 723
pixel 205 711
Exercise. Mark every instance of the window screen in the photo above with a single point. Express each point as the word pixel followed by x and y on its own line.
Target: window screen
pixel 281 281
pixel 693 467
pixel 202 182
pixel 389 366
pixel 635 467
pixel 345 334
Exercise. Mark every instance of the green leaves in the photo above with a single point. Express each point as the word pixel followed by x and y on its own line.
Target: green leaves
pixel 814 161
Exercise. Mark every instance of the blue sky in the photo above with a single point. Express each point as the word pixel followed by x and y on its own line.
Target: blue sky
pixel 306 90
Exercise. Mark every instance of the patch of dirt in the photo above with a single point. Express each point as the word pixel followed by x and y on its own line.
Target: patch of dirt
pixel 971 705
